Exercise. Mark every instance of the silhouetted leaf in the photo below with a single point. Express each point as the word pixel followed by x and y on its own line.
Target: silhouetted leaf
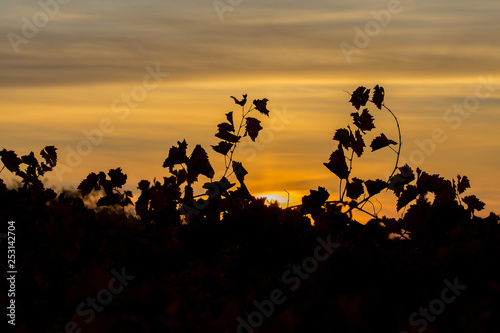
pixel 109 200
pixel 176 155
pixel 473 203
pixel 337 163
pixel 364 121
pixel 117 177
pixel 239 171
pixel 252 128
pixel 10 160
pixel 378 96
pixel 225 135
pixel 199 164
pixel 358 144
pixel 261 106
pixel 50 155
pixel 225 127
pixel 242 102
pixel 344 137
pixel 463 184
pixel 143 185
pixel 314 200
pixel 409 194
pixel 229 117
pixel 92 182
pixel 355 188
pixel 223 147
pixel 359 97
pixel 381 141
pixel 30 159
pixel 375 186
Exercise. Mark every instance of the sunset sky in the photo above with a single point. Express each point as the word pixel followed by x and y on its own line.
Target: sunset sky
pixel 68 68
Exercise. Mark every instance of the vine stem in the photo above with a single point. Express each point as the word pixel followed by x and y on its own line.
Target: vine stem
pixel 399 145
pixel 243 116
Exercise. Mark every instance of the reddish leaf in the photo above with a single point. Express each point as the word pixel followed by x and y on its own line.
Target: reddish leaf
pixel 463 184
pixel 50 155
pixel 381 141
pixel 355 188
pixel 10 160
pixel 223 147
pixel 337 163
pixel 358 144
pixel 261 106
pixel 239 171
pixel 473 203
pixel 378 96
pixel 359 97
pixel 364 121
pixel 344 137
pixel 253 127
pixel 242 102
pixel 375 186
pixel 409 194
pixel 176 155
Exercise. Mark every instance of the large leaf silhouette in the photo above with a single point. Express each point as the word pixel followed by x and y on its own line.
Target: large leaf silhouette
pixel 199 164
pixel 359 97
pixel 381 141
pixel 223 147
pixel 176 155
pixel 364 121
pixel 378 96
pixel 50 155
pixel 261 106
pixel 253 127
pixel 337 163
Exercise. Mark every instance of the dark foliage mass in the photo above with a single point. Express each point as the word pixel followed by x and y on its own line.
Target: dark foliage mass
pixel 202 261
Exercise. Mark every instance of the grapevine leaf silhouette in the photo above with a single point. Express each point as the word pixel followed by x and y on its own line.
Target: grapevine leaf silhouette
pixel 355 188
pixel 229 117
pixel 50 155
pixel 242 102
pixel 358 144
pixel 239 171
pixel 344 137
pixel 252 128
pixel 375 186
pixel 473 203
pixel 404 177
pixel 225 127
pixel 337 163
pixel 364 121
pixel 381 141
pixel 176 155
pixel 378 96
pixel 223 147
pixel 91 183
pixel 359 97
pixel 409 194
pixel 10 160
pixel 261 106
pixel 463 184
pixel 199 164
pixel 225 135
pixel 117 177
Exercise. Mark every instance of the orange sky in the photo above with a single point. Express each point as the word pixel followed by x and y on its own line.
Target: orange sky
pixel 433 59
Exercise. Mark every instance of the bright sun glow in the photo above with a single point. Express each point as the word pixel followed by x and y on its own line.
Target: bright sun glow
pixel 282 198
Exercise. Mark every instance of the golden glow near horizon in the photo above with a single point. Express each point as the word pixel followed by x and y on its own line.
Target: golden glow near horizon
pixel 116 84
